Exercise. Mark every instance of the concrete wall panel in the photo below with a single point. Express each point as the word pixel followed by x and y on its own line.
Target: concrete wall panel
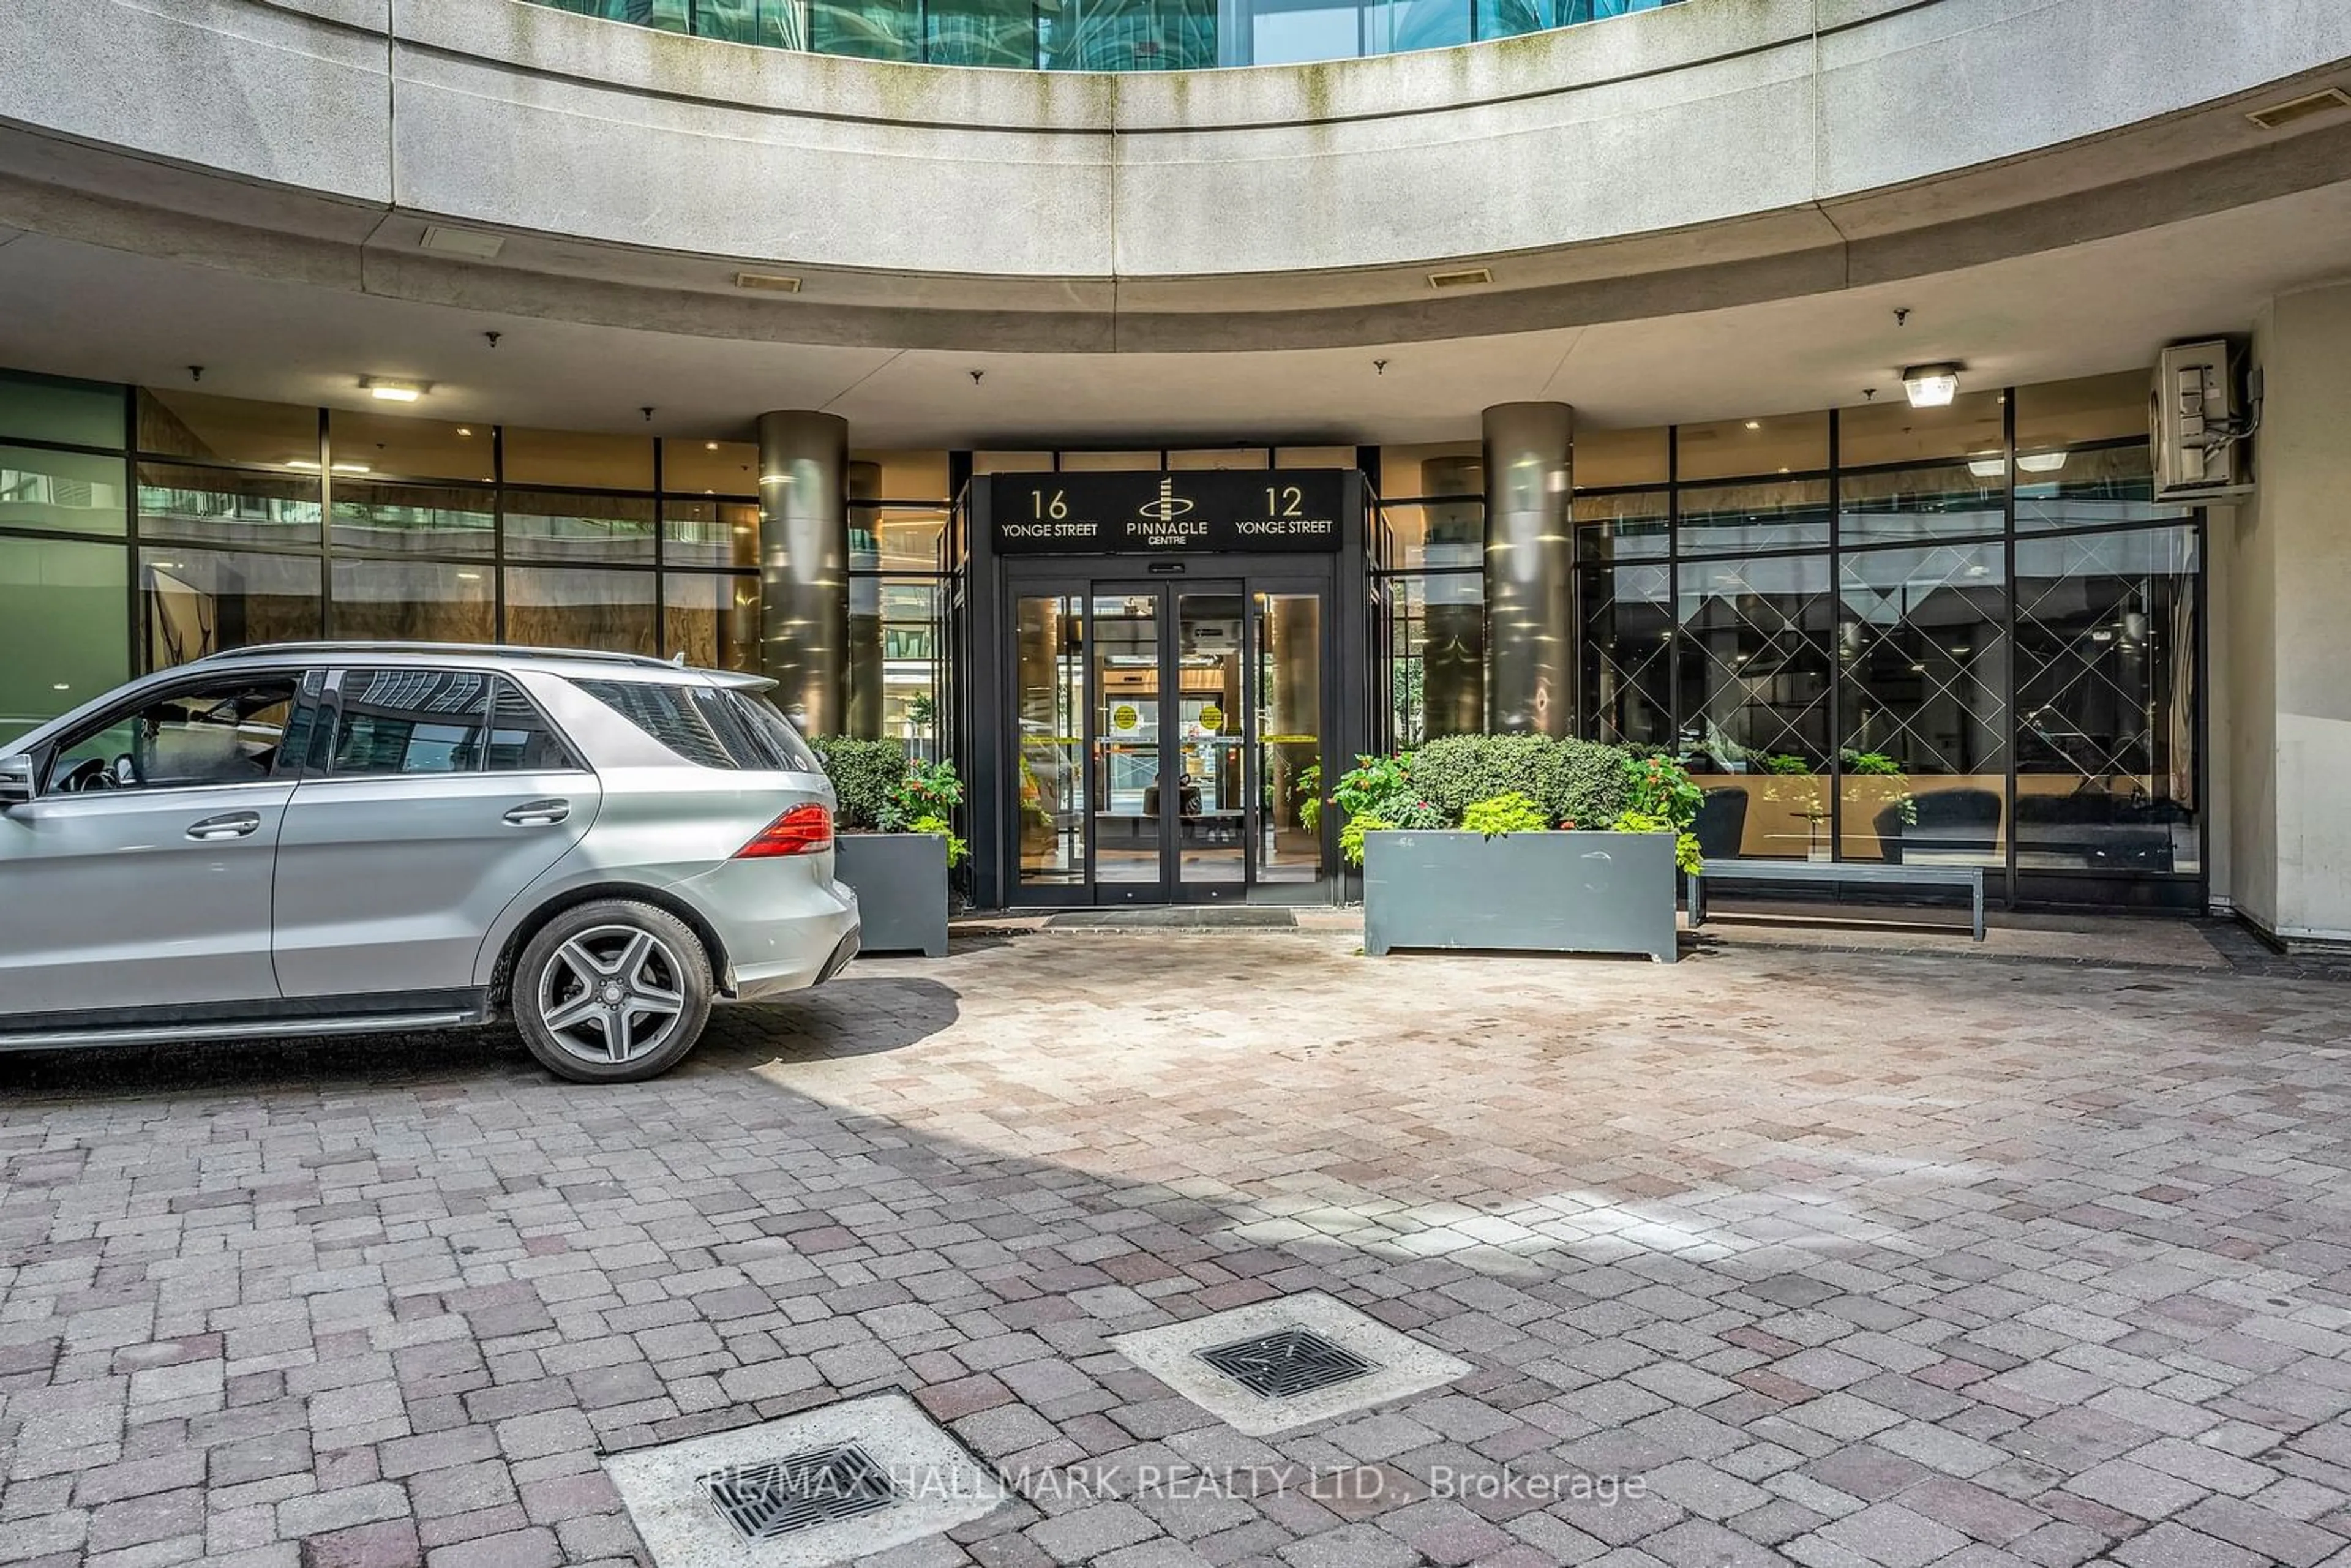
pixel 259 92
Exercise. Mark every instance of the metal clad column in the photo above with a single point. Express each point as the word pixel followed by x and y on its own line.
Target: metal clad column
pixel 1530 634
pixel 804 566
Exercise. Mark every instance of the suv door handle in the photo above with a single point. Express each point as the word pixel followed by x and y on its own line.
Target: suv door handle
pixel 540 813
pixel 229 825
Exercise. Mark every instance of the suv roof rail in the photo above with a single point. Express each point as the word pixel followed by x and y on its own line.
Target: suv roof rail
pixel 472 650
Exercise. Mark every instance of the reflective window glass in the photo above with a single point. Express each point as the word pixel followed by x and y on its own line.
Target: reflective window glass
pixel 67 608
pixel 1894 432
pixel 704 467
pixel 1626 609
pixel 1752 675
pixel 227 430
pixel 578 458
pixel 2106 702
pixel 2057 414
pixel 1628 525
pixel 227 730
pixel 1922 646
pixel 521 739
pixel 1445 468
pixel 228 507
pixel 1763 516
pixel 1948 500
pixel 545 524
pixel 201 601
pixel 866 29
pixel 1435 675
pixel 414 520
pixel 415 601
pixel 67 492
pixel 710 533
pixel 1048 711
pixel 2097 488
pixel 47 408
pixel 712 618
pixel 409 721
pixel 1605 458
pixel 390 445
pixel 569 607
pixel 1732 448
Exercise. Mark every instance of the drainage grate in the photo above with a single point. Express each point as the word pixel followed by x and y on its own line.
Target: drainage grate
pixel 821 1485
pixel 1286 1363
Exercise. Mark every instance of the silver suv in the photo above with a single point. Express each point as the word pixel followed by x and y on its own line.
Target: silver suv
pixel 317 838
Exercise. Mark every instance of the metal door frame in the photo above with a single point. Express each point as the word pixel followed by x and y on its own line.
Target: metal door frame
pixel 1085 579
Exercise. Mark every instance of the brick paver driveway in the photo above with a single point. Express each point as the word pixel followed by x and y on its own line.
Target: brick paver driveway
pixel 1828 1258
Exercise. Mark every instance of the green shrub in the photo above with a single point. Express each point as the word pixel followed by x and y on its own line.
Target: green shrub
pixel 1507 813
pixel 1351 837
pixel 926 790
pixel 1589 784
pixel 1457 772
pixel 1687 858
pixel 1659 787
pixel 866 776
pixel 1372 779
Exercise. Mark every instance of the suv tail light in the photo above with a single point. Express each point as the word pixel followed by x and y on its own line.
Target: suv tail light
pixel 802 830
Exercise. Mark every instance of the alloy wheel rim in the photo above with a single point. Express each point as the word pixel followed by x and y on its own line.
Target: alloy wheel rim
pixel 612 994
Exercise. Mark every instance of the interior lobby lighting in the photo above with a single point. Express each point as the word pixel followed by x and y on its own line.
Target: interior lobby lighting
pixel 1986 467
pixel 1754 425
pixel 1931 386
pixel 2041 462
pixel 391 391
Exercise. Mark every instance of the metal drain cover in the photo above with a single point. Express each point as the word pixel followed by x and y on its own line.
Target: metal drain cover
pixel 1273 1365
pixel 1286 1363
pixel 821 1486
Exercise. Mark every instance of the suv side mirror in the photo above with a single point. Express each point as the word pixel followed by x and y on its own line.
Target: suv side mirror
pixel 16 779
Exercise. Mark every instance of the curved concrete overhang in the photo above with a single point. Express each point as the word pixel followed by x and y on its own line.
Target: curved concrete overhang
pixel 1715 153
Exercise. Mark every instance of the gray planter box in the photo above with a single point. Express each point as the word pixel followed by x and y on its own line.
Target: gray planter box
pixel 902 890
pixel 1547 892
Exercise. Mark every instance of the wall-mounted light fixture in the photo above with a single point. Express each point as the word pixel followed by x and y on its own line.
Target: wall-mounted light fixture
pixel 1931 386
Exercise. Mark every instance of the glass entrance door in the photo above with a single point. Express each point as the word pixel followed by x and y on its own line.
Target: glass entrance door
pixel 1171 737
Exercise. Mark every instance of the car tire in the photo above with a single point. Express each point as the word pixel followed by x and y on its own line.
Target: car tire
pixel 612 970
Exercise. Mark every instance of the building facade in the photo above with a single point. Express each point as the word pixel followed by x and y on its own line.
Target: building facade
pixel 1152 440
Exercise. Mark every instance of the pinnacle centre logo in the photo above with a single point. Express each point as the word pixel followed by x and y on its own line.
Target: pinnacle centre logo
pixel 1167 506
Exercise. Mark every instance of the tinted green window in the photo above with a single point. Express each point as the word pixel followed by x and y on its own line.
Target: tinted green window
pixel 67 608
pixel 44 408
pixel 71 492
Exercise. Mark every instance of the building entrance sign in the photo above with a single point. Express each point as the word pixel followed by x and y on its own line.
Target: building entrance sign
pixel 1265 510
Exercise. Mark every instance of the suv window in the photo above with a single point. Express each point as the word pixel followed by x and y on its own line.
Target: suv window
pixel 409 721
pixel 227 730
pixel 521 740
pixel 717 726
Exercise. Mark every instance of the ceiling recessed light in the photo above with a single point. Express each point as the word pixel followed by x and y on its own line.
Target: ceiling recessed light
pixel 309 464
pixel 62 687
pixel 1932 386
pixel 391 391
pixel 469 577
pixel 465 430
pixel 349 469
pixel 2041 462
pixel 1463 277
pixel 2326 100
pixel 1754 425
pixel 710 446
pixel 767 282
pixel 1986 467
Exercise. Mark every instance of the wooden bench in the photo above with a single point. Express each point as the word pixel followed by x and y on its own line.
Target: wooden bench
pixel 1912 875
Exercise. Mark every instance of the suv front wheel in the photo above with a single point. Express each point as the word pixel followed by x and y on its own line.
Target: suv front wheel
pixel 611 992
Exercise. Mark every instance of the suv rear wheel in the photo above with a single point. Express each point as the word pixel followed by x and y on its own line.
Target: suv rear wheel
pixel 611 992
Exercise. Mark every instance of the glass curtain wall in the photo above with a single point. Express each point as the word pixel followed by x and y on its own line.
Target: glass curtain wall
pixel 1965 637
pixel 1105 35
pixel 144 528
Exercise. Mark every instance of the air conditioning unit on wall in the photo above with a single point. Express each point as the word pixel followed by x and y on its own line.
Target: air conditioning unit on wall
pixel 2202 412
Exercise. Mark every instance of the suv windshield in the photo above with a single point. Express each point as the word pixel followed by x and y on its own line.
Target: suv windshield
pixel 717 726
